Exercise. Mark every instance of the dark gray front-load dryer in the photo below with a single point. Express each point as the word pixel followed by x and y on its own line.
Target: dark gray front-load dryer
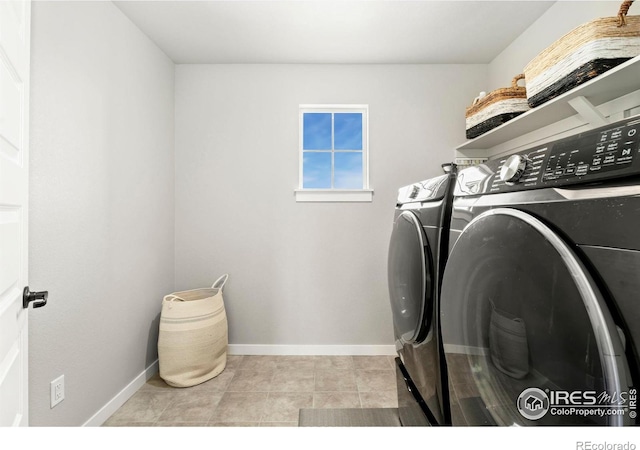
pixel 541 293
pixel 417 252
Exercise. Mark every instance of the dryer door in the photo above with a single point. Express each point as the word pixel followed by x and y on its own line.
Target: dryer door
pixel 410 277
pixel 527 335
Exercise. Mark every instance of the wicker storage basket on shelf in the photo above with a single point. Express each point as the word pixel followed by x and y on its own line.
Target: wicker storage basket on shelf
pixel 496 108
pixel 582 54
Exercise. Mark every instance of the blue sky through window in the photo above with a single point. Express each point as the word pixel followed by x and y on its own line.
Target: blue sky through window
pixel 324 165
pixel 317 131
pixel 348 131
pixel 317 170
pixel 348 170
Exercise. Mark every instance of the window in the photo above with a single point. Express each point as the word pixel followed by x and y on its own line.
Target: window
pixel 334 153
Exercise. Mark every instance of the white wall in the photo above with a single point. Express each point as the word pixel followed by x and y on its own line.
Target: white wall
pixel 102 208
pixel 558 20
pixel 300 273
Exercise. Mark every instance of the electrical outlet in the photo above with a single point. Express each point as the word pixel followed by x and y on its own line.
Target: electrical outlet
pixel 57 390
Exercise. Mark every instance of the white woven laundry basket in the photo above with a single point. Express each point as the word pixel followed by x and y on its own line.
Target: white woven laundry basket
pixel 193 337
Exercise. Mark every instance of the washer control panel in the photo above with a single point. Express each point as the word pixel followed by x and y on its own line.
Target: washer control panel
pixel 611 151
pixel 513 168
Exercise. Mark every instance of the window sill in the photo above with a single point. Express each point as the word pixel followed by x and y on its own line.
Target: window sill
pixel 334 195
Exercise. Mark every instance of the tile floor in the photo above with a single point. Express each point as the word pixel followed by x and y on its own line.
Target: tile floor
pixel 264 391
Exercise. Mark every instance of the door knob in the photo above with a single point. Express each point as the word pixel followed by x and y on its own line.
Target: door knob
pixel 40 298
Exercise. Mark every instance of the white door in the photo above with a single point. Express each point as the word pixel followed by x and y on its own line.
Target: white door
pixel 14 170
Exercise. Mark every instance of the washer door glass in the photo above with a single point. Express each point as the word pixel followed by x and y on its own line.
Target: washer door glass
pixel 528 338
pixel 409 277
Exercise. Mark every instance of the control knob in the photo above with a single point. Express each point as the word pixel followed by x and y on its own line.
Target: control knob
pixel 513 168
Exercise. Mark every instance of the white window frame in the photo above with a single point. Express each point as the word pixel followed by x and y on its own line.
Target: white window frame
pixel 335 195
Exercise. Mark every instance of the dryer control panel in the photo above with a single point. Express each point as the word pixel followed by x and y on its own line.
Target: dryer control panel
pixel 612 151
pixel 424 191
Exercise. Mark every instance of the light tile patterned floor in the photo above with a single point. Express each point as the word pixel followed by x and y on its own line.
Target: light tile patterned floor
pixel 264 391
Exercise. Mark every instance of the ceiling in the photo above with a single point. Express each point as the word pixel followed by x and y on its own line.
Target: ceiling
pixel 341 32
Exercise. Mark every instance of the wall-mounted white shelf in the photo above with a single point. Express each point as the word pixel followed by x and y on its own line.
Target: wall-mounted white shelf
pixel 584 100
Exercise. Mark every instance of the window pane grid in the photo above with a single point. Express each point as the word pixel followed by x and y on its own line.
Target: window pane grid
pixel 347 161
pixel 333 170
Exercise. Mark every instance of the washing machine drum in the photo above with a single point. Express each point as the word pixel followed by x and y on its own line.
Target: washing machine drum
pixel 527 334
pixel 409 279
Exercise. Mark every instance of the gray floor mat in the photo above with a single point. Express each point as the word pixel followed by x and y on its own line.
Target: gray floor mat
pixel 356 417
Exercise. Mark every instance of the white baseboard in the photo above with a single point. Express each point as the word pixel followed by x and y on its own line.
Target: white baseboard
pixel 116 402
pixel 301 350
